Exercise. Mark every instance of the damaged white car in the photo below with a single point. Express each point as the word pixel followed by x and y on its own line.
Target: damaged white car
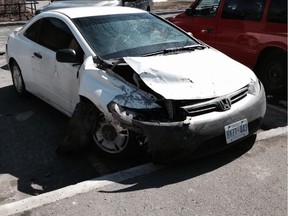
pixel 128 78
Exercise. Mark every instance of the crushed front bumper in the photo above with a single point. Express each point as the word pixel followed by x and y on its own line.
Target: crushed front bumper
pixel 194 131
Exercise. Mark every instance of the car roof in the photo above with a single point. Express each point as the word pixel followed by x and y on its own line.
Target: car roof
pixel 77 12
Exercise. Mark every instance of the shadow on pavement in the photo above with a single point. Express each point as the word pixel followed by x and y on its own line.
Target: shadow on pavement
pixel 187 169
pixel 276 116
pixel 5 67
pixel 30 131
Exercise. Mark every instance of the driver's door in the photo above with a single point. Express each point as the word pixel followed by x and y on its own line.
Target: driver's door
pixel 59 80
pixel 201 20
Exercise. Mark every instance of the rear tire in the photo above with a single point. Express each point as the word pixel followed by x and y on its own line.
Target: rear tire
pixel 17 79
pixel 273 74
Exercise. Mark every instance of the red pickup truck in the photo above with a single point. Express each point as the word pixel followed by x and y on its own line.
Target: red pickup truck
pixel 253 32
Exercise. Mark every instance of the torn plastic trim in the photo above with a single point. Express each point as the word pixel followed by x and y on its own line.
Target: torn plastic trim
pixel 181 130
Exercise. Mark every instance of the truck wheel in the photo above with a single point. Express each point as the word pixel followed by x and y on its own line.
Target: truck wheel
pixel 17 79
pixel 273 74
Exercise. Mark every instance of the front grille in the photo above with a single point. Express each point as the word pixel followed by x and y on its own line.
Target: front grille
pixel 216 104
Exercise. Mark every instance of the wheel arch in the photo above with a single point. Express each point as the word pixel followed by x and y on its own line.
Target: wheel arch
pixel 91 100
pixel 271 50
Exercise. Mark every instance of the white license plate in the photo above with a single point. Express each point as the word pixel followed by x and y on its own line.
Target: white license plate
pixel 236 131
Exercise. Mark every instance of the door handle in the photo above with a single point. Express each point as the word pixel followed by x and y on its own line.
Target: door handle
pixel 207 30
pixel 38 55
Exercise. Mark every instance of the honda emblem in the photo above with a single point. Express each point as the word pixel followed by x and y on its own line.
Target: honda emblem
pixel 225 104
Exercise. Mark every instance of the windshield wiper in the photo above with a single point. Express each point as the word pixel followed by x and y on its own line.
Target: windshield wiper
pixel 177 49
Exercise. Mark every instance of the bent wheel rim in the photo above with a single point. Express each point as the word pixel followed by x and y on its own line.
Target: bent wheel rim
pixel 112 138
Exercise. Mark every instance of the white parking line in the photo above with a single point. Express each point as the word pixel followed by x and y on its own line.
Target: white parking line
pixel 272 133
pixel 73 190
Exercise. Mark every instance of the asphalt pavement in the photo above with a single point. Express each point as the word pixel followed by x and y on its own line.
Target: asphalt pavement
pixel 248 180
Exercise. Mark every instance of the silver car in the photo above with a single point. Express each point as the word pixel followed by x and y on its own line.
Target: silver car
pixel 128 78
pixel 56 4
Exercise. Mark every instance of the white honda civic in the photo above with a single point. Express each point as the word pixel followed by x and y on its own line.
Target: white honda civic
pixel 128 78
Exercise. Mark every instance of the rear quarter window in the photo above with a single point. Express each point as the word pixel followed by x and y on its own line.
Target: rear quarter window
pixel 277 12
pixel 32 32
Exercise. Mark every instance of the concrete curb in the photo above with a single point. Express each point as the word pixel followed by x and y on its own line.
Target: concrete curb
pixel 73 190
pixel 272 133
pixel 12 23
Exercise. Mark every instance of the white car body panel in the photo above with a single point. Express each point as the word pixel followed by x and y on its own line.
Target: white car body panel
pixel 179 76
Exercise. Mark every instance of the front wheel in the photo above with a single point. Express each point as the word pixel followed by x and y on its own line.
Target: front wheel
pixel 89 126
pixel 111 138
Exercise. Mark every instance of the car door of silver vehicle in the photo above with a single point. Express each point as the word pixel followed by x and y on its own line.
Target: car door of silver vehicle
pixel 42 67
pixel 58 83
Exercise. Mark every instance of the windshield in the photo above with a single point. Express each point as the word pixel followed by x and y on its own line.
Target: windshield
pixel 117 36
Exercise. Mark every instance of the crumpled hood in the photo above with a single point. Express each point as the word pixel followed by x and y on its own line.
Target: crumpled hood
pixel 198 74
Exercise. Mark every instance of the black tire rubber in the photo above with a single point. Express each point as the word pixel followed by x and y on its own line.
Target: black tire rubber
pixel 17 79
pixel 273 74
pixel 79 133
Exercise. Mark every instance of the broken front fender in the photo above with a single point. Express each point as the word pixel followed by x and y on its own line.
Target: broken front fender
pixel 103 86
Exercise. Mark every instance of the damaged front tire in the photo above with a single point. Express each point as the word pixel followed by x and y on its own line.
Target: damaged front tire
pixel 79 133
pixel 88 125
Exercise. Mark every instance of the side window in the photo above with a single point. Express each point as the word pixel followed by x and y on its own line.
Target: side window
pixel 243 9
pixel 206 8
pixel 277 12
pixel 33 31
pixel 55 34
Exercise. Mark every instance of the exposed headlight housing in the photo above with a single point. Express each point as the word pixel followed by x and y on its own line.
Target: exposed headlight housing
pixel 254 87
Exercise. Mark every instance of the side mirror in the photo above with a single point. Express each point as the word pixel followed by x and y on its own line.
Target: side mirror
pixel 67 55
pixel 189 11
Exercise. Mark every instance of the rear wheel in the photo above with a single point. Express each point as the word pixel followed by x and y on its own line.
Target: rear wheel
pixel 273 74
pixel 17 79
